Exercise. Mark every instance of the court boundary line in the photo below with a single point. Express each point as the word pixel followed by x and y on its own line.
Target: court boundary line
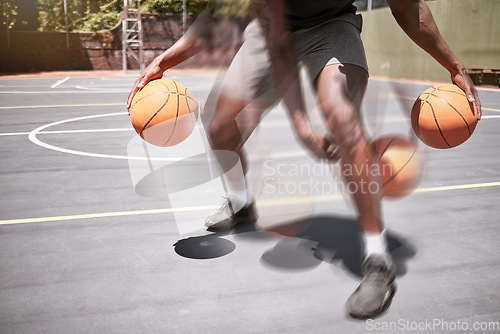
pixel 67 106
pixel 317 199
pixel 59 82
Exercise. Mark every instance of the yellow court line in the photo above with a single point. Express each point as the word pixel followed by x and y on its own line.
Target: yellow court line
pixel 458 187
pixel 490 109
pixel 66 105
pixel 104 214
pixel 209 207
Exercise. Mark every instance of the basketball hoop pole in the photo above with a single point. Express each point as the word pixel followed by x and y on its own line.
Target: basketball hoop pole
pixel 184 15
pixel 132 39
pixel 66 22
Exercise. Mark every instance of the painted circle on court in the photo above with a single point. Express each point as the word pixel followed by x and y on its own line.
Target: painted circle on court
pixel 35 140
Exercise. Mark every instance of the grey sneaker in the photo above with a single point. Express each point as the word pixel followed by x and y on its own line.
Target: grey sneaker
pixel 374 294
pixel 225 219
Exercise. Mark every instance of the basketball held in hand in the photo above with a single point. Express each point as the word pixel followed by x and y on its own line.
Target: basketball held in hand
pixel 442 117
pixel 164 112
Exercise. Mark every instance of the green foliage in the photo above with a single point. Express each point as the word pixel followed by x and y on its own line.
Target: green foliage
pixel 173 6
pixel 51 15
pixel 101 15
pixel 8 13
pixel 93 15
pixel 235 8
pixel 83 15
pixel 99 21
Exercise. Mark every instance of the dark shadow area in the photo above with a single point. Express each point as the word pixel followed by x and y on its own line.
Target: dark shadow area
pixel 204 247
pixel 334 240
pixel 291 254
pixel 331 239
pixel 35 51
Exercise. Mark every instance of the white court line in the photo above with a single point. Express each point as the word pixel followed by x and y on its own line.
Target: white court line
pixel 67 131
pixel 59 92
pixel 14 134
pixel 103 89
pixel 66 105
pixel 270 202
pixel 59 82
pixel 265 125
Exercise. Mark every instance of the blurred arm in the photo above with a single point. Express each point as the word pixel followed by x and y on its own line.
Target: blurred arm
pixel 196 38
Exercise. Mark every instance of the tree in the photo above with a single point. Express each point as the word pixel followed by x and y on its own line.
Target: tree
pixel 8 13
pixel 93 15
pixel 235 8
pixel 86 15
pixel 173 6
pixel 100 15
pixel 8 16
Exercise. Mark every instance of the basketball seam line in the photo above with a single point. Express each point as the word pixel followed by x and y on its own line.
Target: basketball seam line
pixel 386 148
pixel 437 124
pixel 154 115
pixel 177 92
pixel 142 98
pixel 461 93
pixel 157 111
pixel 399 171
pixel 191 113
pixel 176 114
pixel 458 112
pixel 448 91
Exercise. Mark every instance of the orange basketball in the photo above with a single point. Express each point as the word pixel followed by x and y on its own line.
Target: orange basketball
pixel 164 112
pixel 400 165
pixel 442 117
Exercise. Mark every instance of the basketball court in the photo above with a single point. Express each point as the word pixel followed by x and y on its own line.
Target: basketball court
pixel 102 233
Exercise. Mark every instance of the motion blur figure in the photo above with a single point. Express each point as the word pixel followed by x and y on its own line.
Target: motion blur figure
pixel 323 36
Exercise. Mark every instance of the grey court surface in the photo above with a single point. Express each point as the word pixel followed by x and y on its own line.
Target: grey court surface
pixel 101 233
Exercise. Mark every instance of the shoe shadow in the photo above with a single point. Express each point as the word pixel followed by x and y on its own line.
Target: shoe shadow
pixel 204 247
pixel 331 239
pixel 335 240
pixel 213 245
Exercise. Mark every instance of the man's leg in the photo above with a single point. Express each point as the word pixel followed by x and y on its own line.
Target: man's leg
pixel 232 114
pixel 234 117
pixel 340 90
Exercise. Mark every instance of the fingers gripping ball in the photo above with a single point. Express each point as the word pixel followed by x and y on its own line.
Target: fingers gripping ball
pixel 442 117
pixel 164 112
pixel 400 165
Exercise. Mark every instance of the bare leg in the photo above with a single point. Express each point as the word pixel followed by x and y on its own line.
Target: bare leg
pixel 233 119
pixel 340 91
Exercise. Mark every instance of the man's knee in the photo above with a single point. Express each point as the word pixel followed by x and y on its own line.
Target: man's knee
pixel 214 133
pixel 223 134
pixel 344 123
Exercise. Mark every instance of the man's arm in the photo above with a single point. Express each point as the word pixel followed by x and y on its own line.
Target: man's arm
pixel 415 18
pixel 271 16
pixel 195 40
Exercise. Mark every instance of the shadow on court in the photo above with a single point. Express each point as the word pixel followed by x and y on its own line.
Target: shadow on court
pixel 330 239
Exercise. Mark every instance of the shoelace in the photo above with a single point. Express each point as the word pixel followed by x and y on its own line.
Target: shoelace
pixel 225 204
pixel 377 273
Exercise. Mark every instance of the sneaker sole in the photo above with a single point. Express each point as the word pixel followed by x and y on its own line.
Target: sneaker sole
pixel 230 226
pixel 381 310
